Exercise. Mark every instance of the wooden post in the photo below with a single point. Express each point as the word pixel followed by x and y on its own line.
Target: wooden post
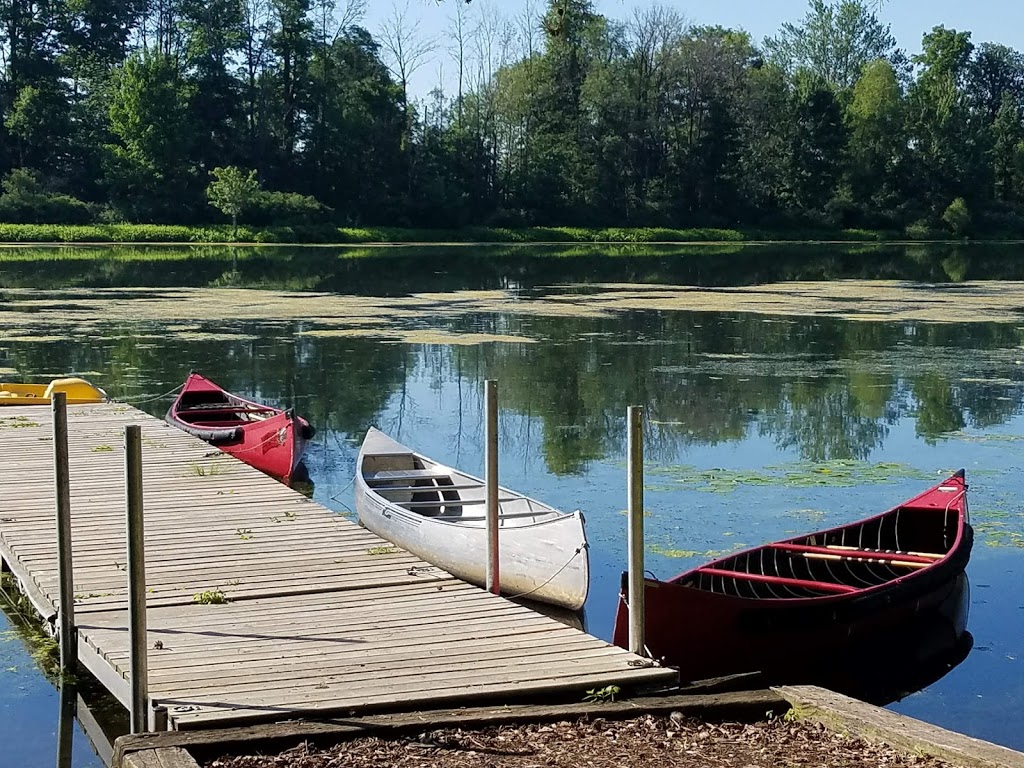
pixel 160 722
pixel 136 580
pixel 491 481
pixel 635 487
pixel 65 570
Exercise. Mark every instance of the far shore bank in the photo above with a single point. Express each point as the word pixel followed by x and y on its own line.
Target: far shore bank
pixel 158 234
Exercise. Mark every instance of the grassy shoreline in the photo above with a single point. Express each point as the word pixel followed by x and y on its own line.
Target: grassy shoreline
pixel 330 235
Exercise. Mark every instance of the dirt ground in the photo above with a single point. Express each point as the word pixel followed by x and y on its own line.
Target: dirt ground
pixel 645 742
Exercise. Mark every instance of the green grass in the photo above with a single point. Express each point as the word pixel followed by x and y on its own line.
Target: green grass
pixel 163 233
pixel 210 597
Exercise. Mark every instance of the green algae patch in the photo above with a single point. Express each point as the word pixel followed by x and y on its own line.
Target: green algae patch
pixel 839 473
pixel 669 551
pixel 983 437
pixel 456 339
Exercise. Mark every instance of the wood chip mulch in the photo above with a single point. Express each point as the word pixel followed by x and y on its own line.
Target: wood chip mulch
pixel 644 742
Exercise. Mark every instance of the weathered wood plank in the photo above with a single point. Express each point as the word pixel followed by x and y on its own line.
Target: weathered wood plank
pixel 162 757
pixel 873 723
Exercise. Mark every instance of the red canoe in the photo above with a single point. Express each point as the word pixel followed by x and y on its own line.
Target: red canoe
pixel 270 439
pixel 814 609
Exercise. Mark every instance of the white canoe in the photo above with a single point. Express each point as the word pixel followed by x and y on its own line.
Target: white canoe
pixel 439 514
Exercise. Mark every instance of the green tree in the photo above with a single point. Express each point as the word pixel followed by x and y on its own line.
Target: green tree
pixel 878 141
pixel 944 132
pixel 232 191
pixel 834 42
pixel 819 139
pixel 148 168
pixel 1007 137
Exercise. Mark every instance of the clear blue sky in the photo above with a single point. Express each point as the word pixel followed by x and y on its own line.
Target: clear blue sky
pixel 999 21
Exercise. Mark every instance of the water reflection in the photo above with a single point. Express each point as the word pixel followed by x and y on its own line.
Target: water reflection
pixel 398 270
pixel 934 644
pixel 68 709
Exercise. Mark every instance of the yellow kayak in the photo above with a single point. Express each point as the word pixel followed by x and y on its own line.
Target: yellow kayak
pixel 78 391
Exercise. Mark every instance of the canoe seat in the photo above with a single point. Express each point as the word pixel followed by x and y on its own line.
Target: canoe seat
pixel 820 586
pixel 223 409
pixel 446 502
pixel 892 558
pixel 405 475
pixel 421 488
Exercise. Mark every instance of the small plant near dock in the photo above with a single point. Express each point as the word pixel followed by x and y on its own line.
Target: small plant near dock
pixel 244 533
pixel 199 470
pixel 608 693
pixel 79 597
pixel 18 422
pixel 383 550
pixel 210 597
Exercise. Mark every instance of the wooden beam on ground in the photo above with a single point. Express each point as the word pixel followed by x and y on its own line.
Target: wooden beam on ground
pixel 738 705
pixel 168 757
pixel 871 723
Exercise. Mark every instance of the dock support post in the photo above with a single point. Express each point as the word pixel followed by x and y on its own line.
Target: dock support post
pixel 160 718
pixel 491 481
pixel 635 538
pixel 65 570
pixel 136 580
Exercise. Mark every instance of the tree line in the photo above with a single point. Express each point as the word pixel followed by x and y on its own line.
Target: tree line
pixel 123 111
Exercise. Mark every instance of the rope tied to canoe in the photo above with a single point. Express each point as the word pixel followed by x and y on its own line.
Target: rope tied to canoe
pixel 136 400
pixel 579 550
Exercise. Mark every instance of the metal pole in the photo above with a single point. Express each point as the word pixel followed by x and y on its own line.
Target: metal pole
pixel 136 580
pixel 491 481
pixel 65 570
pixel 635 461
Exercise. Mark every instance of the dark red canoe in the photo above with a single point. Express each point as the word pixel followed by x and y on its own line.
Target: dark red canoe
pixel 814 609
pixel 270 439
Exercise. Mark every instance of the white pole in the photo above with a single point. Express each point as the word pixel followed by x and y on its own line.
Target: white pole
pixel 491 481
pixel 635 487
pixel 138 657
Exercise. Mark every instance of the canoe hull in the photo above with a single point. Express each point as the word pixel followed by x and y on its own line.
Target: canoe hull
pixel 545 561
pixel 770 622
pixel 709 635
pixel 78 392
pixel 274 443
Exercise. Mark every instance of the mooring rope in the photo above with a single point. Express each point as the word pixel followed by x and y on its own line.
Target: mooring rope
pixel 135 400
pixel 575 554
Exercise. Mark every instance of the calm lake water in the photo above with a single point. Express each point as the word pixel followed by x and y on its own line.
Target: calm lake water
pixel 759 425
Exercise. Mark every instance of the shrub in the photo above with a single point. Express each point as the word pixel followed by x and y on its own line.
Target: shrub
pixel 286 209
pixel 920 230
pixel 25 201
pixel 958 218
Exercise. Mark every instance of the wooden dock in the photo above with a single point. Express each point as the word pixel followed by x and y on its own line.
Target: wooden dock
pixel 323 618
